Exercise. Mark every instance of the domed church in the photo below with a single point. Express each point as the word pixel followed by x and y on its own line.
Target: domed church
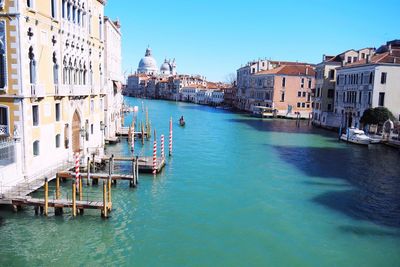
pixel 148 65
pixel 168 68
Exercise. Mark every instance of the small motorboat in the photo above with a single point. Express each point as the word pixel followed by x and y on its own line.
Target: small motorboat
pixel 355 136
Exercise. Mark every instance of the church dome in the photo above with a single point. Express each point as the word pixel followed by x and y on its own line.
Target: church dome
pixel 165 67
pixel 148 64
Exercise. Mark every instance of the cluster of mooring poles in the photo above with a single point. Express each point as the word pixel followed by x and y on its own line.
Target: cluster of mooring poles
pixel 77 201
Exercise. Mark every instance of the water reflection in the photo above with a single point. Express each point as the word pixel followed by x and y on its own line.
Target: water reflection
pixel 374 175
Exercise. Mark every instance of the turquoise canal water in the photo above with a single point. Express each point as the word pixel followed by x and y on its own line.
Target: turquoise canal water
pixel 238 191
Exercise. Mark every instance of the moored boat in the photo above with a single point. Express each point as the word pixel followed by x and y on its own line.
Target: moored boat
pixel 355 136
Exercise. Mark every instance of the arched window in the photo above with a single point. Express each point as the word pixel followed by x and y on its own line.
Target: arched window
pixel 84 74
pixel 55 68
pixel 32 66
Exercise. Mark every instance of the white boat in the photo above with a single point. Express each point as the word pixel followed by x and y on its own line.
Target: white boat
pixel 263 112
pixel 355 136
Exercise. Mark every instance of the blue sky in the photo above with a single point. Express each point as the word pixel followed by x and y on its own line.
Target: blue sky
pixel 215 37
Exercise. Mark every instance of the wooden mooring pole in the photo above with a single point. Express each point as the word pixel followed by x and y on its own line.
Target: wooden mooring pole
pixel 137 169
pixel 104 210
pixel 58 192
pixel 46 197
pixel 109 179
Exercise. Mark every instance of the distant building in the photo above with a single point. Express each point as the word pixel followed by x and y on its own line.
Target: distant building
pixel 324 95
pixel 244 75
pixel 148 65
pixel 368 83
pixel 287 89
pixel 114 78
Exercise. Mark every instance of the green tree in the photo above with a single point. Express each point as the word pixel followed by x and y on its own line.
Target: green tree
pixel 376 116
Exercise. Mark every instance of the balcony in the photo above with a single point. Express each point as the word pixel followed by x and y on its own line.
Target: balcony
pixel 61 90
pixel 79 90
pixel 36 91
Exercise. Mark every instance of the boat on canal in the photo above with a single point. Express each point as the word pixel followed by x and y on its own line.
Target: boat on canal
pixel 182 121
pixel 263 112
pixel 355 136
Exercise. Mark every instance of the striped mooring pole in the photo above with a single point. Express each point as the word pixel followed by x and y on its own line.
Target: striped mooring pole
pixel 77 165
pixel 162 147
pixel 155 157
pixel 170 137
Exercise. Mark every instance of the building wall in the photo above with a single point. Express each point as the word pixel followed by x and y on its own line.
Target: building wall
pixel 293 85
pixel 114 78
pixel 38 37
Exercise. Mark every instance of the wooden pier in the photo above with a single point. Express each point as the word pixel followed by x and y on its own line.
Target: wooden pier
pixel 145 164
pixel 42 205
pixel 124 132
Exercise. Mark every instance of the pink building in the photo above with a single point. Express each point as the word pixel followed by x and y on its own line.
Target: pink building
pixel 287 89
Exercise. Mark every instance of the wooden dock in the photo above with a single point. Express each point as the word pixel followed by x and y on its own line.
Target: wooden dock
pixel 58 203
pixel 145 164
pixel 124 132
pixel 99 176
pixel 42 205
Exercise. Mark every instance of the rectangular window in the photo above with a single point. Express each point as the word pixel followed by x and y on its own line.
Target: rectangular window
pixel 92 105
pixel 283 82
pixel 3 61
pixel 348 59
pixel 304 94
pixel 63 9
pixel 4 121
pixel 303 105
pixel 69 11
pixel 332 74
pixel 369 98
pixel 359 97
pixel 91 129
pixel 298 94
pixel 383 77
pixel 283 97
pixel 35 115
pixel 58 140
pixel 302 83
pixel 36 148
pixel 309 83
pixel 53 8
pixel 329 107
pixel 298 105
pixel 29 3
pixel 331 93
pixel 381 99
pixel 58 111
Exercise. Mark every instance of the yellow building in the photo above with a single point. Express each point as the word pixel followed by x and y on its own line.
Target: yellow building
pixel 52 85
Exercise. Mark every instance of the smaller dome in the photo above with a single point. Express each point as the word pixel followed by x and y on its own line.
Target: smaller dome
pixel 165 66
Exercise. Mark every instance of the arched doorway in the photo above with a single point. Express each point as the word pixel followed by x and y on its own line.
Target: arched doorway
pixel 76 137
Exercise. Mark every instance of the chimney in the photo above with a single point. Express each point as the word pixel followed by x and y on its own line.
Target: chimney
pixel 306 70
